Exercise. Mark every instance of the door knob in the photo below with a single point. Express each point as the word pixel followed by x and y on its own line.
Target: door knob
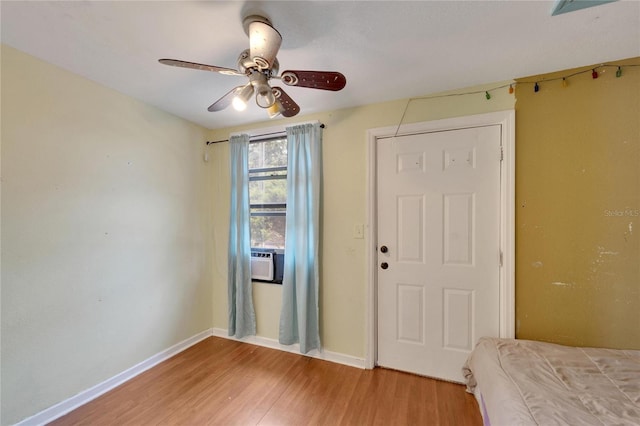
pixel 384 249
pixel 384 265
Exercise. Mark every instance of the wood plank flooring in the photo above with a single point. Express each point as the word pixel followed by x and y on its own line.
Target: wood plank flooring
pixel 224 382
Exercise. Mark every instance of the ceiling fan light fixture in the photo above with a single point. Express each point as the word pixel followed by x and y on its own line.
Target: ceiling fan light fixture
pixel 264 96
pixel 275 109
pixel 242 97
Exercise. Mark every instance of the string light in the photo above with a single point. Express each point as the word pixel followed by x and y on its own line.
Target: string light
pixel 536 87
pixel 564 81
pixel 593 71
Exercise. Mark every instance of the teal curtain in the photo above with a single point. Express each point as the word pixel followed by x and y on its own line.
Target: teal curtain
pixel 299 322
pixel 242 317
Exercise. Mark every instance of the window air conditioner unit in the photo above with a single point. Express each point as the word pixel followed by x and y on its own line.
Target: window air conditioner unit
pixel 262 265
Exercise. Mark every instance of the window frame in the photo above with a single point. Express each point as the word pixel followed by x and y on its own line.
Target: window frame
pixel 257 175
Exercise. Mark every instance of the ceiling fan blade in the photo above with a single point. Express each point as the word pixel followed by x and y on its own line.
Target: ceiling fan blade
pixel 289 107
pixel 325 80
pixel 264 41
pixel 224 101
pixel 195 66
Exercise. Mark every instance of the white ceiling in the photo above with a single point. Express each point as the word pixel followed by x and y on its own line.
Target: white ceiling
pixel 387 49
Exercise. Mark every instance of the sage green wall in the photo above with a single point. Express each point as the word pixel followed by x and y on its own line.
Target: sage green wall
pixel 343 285
pixel 105 225
pixel 578 209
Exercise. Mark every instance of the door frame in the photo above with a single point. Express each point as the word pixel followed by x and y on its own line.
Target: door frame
pixel 506 119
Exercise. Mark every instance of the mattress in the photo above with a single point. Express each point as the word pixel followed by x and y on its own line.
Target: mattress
pixel 523 382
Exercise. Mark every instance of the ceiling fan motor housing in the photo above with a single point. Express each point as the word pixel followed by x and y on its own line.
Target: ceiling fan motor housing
pixel 245 63
pixel 264 41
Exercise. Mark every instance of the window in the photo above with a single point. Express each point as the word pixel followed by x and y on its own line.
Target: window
pixel 268 192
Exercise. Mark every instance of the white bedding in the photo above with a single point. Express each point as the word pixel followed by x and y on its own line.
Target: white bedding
pixel 522 382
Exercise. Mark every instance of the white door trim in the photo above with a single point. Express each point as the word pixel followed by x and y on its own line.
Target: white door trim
pixel 506 119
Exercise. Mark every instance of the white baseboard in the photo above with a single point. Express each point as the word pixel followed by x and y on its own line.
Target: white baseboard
pixel 274 344
pixel 50 414
pixel 68 405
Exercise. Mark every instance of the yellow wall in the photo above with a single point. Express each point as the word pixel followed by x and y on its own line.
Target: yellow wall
pixel 578 209
pixel 105 225
pixel 343 276
pixel 114 230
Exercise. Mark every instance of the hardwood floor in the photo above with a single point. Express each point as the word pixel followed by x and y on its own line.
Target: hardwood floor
pixel 224 382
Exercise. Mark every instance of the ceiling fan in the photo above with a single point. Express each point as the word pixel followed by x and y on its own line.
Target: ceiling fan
pixel 260 65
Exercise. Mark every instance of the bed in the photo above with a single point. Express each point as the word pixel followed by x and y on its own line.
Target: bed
pixel 523 382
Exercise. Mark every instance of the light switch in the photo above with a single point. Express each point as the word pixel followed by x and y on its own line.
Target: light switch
pixel 358 230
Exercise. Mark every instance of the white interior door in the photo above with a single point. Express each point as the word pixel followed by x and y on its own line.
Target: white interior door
pixel 438 278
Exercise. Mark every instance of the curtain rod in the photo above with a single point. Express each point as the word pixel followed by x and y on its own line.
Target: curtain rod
pixel 255 136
